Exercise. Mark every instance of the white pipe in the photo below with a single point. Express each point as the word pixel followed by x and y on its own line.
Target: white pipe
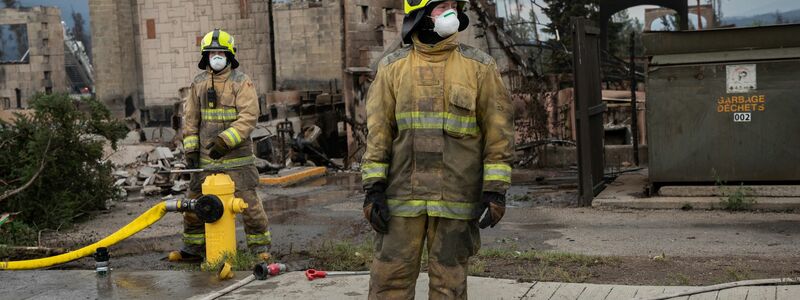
pixel 230 288
pixel 729 285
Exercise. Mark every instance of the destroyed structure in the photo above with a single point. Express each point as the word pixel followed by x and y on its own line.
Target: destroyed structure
pixel 312 70
pixel 39 55
pixel 38 64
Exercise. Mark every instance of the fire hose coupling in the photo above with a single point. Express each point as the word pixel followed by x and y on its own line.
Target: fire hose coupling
pixel 263 271
pixel 208 208
pixel 101 258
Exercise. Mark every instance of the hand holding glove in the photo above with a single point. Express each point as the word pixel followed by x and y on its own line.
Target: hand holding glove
pixel 495 204
pixel 218 148
pixel 376 211
pixel 192 160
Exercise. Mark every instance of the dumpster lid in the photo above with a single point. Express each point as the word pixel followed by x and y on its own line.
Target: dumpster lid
pixel 721 39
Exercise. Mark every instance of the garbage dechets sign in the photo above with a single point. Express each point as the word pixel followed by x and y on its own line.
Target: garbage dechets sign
pixel 741 79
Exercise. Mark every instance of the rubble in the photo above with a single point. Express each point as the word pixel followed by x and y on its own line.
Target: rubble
pixel 148 169
pixel 143 170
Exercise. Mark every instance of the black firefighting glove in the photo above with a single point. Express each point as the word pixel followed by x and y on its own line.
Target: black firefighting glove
pixel 218 148
pixel 495 207
pixel 376 211
pixel 192 159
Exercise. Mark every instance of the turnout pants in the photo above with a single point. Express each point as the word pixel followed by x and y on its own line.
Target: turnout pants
pixel 450 244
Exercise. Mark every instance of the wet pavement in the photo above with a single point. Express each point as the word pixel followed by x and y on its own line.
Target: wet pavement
pixel 196 285
pixel 324 209
pixel 85 284
pixel 540 217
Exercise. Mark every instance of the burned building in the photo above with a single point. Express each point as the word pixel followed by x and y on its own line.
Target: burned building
pixel 31 54
pixel 147 50
pixel 313 69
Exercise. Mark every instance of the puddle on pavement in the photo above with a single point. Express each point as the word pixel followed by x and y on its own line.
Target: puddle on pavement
pixel 337 188
pixel 157 285
pixel 536 195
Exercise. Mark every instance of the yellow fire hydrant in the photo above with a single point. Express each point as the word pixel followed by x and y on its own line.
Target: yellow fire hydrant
pixel 221 235
pixel 217 208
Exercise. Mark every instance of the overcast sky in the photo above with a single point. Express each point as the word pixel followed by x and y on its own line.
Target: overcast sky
pixel 730 8
pixel 735 8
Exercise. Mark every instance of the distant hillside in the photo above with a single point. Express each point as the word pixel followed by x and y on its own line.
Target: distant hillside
pixel 792 16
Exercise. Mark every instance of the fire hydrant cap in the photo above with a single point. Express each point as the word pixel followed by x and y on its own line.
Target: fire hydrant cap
pixel 218 184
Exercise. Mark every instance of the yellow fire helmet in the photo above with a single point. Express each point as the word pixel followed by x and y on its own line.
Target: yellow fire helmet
pixel 411 5
pixel 217 40
pixel 415 10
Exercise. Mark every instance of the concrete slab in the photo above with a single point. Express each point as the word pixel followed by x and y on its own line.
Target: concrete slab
pixel 761 203
pixel 126 154
pixel 627 191
pixel 762 293
pixel 705 296
pixel 84 284
pixel 787 292
pixel 594 291
pixel 647 292
pixel 719 191
pixel 739 293
pixel 294 285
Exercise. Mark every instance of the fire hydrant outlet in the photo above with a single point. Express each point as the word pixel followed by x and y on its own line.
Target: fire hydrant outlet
pixel 209 208
pixel 238 205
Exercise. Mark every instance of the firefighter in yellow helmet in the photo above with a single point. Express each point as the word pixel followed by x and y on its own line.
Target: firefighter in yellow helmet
pixel 219 115
pixel 439 150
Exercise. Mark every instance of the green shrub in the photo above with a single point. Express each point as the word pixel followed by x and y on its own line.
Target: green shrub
pixel 67 145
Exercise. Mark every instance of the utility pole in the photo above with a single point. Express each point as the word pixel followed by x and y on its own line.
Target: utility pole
pixel 535 21
pixel 634 110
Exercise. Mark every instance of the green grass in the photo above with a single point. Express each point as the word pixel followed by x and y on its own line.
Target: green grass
pixel 737 274
pixel 679 279
pixel 343 256
pixel 536 265
pixel 476 267
pixel 737 199
pixel 548 257
pixel 734 199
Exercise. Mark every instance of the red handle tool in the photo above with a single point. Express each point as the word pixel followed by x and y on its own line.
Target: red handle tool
pixel 312 274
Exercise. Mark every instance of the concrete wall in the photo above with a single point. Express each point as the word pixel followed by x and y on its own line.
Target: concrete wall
pixel 114 55
pixel 169 57
pixel 308 45
pixel 46 57
pixel 367 31
pixel 147 50
pixel 364 24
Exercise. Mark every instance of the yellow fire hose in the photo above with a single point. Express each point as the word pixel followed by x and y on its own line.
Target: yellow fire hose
pixel 217 207
pixel 143 221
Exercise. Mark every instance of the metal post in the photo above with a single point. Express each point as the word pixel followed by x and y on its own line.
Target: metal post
pixel 634 110
pixel 590 109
